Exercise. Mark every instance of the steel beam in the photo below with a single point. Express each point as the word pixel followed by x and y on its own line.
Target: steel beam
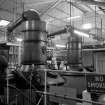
pixel 62 11
pixel 77 6
pixel 39 2
pixel 92 2
pixel 51 7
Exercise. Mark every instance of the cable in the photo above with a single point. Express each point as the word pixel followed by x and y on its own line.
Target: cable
pixel 40 100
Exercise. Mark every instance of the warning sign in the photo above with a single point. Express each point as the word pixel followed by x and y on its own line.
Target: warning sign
pixel 96 83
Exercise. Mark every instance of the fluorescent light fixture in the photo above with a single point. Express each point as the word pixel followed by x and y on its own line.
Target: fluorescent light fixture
pixel 75 17
pixel 99 0
pixel 87 26
pixel 19 39
pixel 81 33
pixel 62 46
pixel 4 23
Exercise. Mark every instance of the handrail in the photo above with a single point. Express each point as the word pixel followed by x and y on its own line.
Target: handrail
pixel 71 98
pixel 72 72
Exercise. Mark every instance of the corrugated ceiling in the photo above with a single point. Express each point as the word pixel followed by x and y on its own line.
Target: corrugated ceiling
pixel 56 12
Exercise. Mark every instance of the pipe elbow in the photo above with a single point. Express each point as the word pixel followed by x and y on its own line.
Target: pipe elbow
pixel 31 15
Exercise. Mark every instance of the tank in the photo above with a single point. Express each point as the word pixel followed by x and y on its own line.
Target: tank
pixel 35 41
pixel 74 53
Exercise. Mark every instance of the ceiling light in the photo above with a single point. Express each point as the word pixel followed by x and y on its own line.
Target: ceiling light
pixel 19 39
pixel 81 33
pixel 4 23
pixel 62 46
pixel 99 0
pixel 87 26
pixel 75 17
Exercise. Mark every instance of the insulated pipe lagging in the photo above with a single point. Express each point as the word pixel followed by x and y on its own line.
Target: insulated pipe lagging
pixel 58 32
pixel 26 16
pixel 35 39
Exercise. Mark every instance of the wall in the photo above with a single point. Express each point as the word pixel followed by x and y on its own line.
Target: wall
pixel 99 58
pixel 87 58
pixel 94 58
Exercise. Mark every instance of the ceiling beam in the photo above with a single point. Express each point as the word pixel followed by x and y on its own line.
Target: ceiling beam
pixel 89 7
pixel 92 2
pixel 103 10
pixel 51 7
pixel 59 19
pixel 77 6
pixel 93 15
pixel 62 11
pixel 39 2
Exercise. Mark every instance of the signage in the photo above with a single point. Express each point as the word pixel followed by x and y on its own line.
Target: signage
pixel 95 83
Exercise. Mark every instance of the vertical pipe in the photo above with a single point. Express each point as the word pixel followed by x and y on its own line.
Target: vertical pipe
pixel 16 100
pixel 7 72
pixel 30 92
pixel 19 56
pixel 70 11
pixel 95 22
pixel 101 28
pixel 45 88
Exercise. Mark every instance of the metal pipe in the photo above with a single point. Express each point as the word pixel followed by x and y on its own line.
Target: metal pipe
pixel 65 97
pixel 67 28
pixel 15 24
pixel 7 86
pixel 58 32
pixel 45 88
pixel 71 98
pixel 72 72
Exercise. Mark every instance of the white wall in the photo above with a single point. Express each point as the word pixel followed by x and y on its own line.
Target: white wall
pixel 97 59
pixel 87 58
